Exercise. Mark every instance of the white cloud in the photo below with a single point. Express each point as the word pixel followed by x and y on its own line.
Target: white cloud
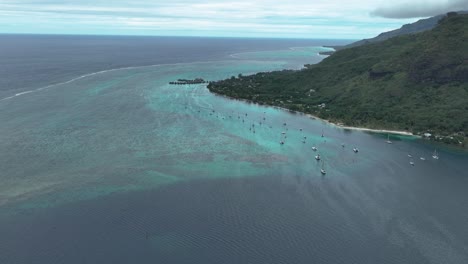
pixel 320 18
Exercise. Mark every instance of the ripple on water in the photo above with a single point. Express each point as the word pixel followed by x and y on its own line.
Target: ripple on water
pixel 121 166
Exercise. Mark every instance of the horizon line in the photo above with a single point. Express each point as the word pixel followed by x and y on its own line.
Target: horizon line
pixel 170 36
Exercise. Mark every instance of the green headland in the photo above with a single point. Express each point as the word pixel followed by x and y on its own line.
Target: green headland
pixel 416 83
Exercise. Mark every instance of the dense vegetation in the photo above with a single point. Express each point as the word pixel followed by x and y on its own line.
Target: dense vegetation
pixel 417 83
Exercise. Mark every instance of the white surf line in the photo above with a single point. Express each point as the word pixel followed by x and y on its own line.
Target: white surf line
pixel 236 55
pixel 323 55
pixel 66 82
pixel 101 72
pixel 18 94
pixel 302 47
pixel 136 67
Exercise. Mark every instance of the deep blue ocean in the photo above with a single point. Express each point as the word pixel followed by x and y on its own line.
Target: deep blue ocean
pixel 102 161
pixel 33 61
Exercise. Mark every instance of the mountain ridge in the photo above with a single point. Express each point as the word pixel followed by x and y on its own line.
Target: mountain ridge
pixel 412 28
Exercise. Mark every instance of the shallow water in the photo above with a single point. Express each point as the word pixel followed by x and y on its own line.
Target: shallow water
pixel 120 167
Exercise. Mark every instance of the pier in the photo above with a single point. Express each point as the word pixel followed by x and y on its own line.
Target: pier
pixel 188 81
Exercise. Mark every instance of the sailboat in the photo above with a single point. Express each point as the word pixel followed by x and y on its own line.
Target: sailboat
pixel 388 139
pixel 282 138
pixel 435 155
pixel 317 157
pixel 356 150
pixel 314 148
pixel 322 170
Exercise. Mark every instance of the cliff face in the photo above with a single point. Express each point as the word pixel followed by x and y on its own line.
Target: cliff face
pixel 416 82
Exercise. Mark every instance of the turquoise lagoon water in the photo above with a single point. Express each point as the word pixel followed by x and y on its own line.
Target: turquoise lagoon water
pixel 120 167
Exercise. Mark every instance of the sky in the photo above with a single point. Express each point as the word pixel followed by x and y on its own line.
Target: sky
pixel 326 19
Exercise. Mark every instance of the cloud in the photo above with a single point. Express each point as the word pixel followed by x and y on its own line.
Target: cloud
pixel 420 8
pixel 268 18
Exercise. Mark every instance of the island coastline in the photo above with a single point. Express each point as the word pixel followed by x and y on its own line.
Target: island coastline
pixel 329 52
pixel 372 86
pixel 338 125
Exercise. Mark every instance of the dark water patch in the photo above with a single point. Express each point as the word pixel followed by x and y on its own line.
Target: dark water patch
pixel 269 219
pixel 32 61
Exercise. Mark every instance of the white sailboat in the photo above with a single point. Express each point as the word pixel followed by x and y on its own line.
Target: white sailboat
pixel 322 170
pixel 282 138
pixel 317 157
pixel 435 155
pixel 314 148
pixel 356 150
pixel 388 139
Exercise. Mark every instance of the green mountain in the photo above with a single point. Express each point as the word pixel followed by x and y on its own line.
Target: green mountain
pixel 416 82
pixel 412 28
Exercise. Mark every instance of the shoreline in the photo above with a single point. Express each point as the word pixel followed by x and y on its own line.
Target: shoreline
pixel 364 129
pixel 372 130
pixel 379 131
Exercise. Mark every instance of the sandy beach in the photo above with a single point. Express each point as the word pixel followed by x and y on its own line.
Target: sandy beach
pixel 384 131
